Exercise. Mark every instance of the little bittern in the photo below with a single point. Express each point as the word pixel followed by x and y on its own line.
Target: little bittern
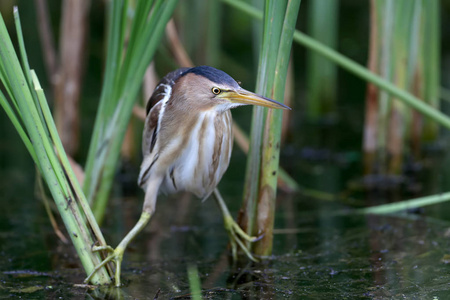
pixel 187 142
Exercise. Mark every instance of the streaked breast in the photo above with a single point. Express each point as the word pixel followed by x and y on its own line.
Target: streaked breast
pixel 202 156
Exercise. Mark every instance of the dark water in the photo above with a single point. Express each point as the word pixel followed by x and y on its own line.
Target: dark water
pixel 317 254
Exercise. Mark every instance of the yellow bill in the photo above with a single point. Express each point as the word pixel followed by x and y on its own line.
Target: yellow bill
pixel 242 96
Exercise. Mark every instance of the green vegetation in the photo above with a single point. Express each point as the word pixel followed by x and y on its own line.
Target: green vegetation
pixel 33 121
pixel 404 50
pixel 262 167
pixel 323 27
pixel 130 50
pixel 403 75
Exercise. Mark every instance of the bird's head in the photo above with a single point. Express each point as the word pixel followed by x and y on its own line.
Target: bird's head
pixel 208 88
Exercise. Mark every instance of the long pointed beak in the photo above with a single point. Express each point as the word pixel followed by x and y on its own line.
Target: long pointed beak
pixel 242 96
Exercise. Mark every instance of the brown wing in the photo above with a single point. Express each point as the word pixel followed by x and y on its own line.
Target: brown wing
pixel 150 129
pixel 160 91
pixel 153 108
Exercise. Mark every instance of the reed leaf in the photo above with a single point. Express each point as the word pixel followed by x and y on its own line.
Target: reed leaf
pixel 394 207
pixel 31 117
pixel 125 68
pixel 355 68
pixel 401 95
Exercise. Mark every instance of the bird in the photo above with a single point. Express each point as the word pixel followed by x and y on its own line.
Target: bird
pixel 186 145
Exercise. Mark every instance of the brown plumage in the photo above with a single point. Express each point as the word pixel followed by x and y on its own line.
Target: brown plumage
pixel 187 138
pixel 187 142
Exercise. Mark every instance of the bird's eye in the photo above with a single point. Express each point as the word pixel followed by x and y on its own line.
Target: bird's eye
pixel 216 91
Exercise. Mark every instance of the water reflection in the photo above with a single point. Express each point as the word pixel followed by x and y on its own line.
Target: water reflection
pixel 317 254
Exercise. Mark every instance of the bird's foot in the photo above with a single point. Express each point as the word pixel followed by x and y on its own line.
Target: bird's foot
pixel 238 237
pixel 115 256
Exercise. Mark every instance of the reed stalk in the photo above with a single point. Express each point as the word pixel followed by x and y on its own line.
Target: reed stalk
pixel 372 93
pixel 68 79
pixel 127 60
pixel 397 54
pixel 65 68
pixel 429 111
pixel 262 165
pixel 194 282
pixel 356 69
pixel 213 33
pixel 431 62
pixel 321 73
pixel 32 119
pixel 284 180
pixel 193 33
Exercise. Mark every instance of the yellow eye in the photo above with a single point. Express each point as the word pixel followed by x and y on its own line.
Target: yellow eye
pixel 216 91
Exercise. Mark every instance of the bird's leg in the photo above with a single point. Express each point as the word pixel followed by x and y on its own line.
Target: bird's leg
pixel 235 232
pixel 116 255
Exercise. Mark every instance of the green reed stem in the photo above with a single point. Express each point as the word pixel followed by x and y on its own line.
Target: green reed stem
pixel 124 71
pixel 431 61
pixel 75 185
pixel 263 159
pixel 355 68
pixel 31 117
pixel 194 283
pixel 322 26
